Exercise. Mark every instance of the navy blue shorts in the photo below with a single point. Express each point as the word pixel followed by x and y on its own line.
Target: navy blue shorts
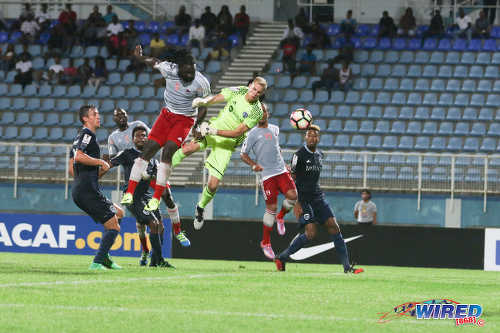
pixel 94 203
pixel 316 210
pixel 142 216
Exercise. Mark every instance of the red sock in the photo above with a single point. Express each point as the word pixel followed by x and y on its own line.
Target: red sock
pixel 159 191
pixel 176 227
pixel 282 213
pixel 266 234
pixel 132 184
pixel 144 243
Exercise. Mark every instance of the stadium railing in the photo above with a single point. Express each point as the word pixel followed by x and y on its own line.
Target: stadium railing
pixel 456 174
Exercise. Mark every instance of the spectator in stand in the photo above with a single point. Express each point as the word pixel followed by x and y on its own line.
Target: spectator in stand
pixel 43 18
pixel 220 51
pixel 302 21
pixel 68 19
pixel 29 28
pixel 85 72
pixel 115 27
pixel 57 39
pixel 70 74
pixel 92 26
pixel 490 12
pixel 197 35
pixel 292 34
pixel 3 24
pixel 365 211
pixel 108 18
pixel 136 66
pixel 308 62
pixel 482 26
pixel 131 33
pixel 25 13
pixel 386 26
pixel 157 46
pixel 8 58
pixel 24 70
pixel 464 25
pixel 25 53
pixel 289 58
pixel 209 20
pixel 115 37
pixel 225 20
pixel 436 28
pixel 100 73
pixel 55 72
pixel 344 81
pixel 407 24
pixel 182 20
pixel 346 54
pixel 328 79
pixel 319 38
pixel 348 25
pixel 242 23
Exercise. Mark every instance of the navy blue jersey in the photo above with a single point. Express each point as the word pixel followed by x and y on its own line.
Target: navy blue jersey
pixel 306 166
pixel 126 159
pixel 86 175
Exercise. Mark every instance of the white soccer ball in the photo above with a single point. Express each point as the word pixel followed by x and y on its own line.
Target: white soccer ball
pixel 301 119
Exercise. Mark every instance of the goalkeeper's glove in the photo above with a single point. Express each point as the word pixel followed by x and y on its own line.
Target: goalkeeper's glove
pixel 198 101
pixel 206 129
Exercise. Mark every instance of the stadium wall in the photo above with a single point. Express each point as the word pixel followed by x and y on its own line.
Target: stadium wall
pixel 393 208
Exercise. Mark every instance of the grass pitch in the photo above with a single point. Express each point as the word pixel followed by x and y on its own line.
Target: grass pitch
pixel 56 293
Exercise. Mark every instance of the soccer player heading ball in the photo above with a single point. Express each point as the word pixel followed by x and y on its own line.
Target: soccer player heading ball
pixel 223 134
pixel 306 169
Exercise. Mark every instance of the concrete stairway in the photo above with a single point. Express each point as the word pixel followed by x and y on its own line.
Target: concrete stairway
pixel 253 57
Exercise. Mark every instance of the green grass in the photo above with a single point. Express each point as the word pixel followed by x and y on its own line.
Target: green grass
pixel 55 293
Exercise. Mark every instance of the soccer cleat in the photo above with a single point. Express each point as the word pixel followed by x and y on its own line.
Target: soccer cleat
pixel 280 225
pixel 95 266
pixel 181 237
pixel 152 205
pixel 280 265
pixel 198 219
pixel 353 270
pixel 160 263
pixel 144 258
pixel 268 250
pixel 127 199
pixel 108 263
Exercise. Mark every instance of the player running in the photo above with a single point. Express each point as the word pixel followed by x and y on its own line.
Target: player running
pixel 263 142
pixel 183 83
pixel 223 134
pixel 86 191
pixel 306 169
pixel 152 219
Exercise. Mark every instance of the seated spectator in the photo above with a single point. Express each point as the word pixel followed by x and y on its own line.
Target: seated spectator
pixel 70 75
pixel 25 53
pixel 436 28
pixel 29 28
pixel 289 56
pixel 85 72
pixel 93 27
pixel 308 62
pixel 209 20
pixel 292 34
pixel 302 21
pixel 220 52
pixel 157 46
pixel 348 25
pixel 242 23
pixel 182 20
pixel 55 71
pixel 328 79
pixel 346 54
pixel 136 66
pixel 24 70
pixel 131 33
pixel 100 73
pixel 43 18
pixel 319 39
pixel 482 26
pixel 407 24
pixel 197 35
pixel 386 26
pixel 8 58
pixel 463 24
pixel 225 20
pixel 108 18
pixel 118 45
pixel 68 19
pixel 345 78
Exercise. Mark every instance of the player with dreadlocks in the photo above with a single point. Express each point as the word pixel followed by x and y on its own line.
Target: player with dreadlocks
pixel 183 83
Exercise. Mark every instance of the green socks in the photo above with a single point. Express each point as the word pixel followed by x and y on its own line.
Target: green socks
pixel 178 157
pixel 206 197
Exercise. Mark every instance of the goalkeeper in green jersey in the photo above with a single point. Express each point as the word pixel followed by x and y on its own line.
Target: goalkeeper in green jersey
pixel 223 134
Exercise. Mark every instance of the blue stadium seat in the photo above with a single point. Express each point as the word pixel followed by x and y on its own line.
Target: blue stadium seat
pixel 460 71
pixel 484 86
pixel 490 45
pixel 478 129
pixel 468 85
pixel 10 77
pixel 299 82
pixel 422 113
pixel 398 127
pixel 382 127
pixel 483 58
pixel 493 100
pixel 369 43
pixel 322 96
pixel 438 143
pixel 422 57
pixel 22 118
pixel 10 132
pixel 445 128
pixel 107 105
pixel 437 58
pixel 7 118
pixel 67 119
pixel 117 92
pixel 41 134
pixel 305 96
pixel 390 142
pixel 152 106
pixel 18 104
pixel 430 128
pixel 422 84
pixel 468 58
pixel 341 141
pixel 414 44
pixel 454 144
pixel 48 105
pixel 74 91
pixel 33 104
pixel 124 104
pixel 406 112
pixel 374 142
pixel 438 85
pixel 461 99
pixel 59 91
pixel 488 145
pixel 128 79
pixel 383 70
pixel 391 57
pixel 414 99
pixel 399 44
pixel 407 57
pixel 358 141
pixel 114 78
pixel 444 45
pixel 453 114
pixel 15 90
pixel 429 71
pixel 334 126
pixel 133 92
pixel 406 84
pixel 366 126
pixel 398 70
pixel 491 72
pixel 462 128
pixel 368 97
pixel 367 70
pixel 375 84
pixel 284 81
pixel 446 99
pixel 62 105
pixel 3 89
pixel 430 99
pixel 391 84
pixel 343 111
pixel 422 143
pixel 486 114
pixel 471 144
pixel 383 98
pixel 104 92
pixel 375 112
pixel 476 71
pixel 414 127
pixel 123 64
pixel 430 44
pixel 351 126
pixel 391 112
pixel 452 58
pixel 459 44
pixel 474 45
pixel 477 100
pixel 26 133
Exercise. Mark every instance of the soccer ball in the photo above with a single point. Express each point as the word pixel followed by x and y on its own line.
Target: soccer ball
pixel 301 119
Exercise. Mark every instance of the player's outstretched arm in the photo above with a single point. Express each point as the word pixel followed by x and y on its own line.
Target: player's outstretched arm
pixel 255 166
pixel 209 100
pixel 150 61
pixel 240 130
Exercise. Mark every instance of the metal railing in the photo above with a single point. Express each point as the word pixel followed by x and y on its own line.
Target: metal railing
pixel 472 174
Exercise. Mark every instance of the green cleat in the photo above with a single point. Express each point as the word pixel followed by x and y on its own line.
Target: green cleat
pixel 127 199
pixel 181 237
pixel 108 263
pixel 94 266
pixel 152 205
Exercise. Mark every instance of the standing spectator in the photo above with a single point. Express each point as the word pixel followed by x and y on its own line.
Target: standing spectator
pixel 348 25
pixel 319 38
pixel 56 40
pixel 289 58
pixel 308 62
pixel 25 13
pixel 3 23
pixel 157 46
pixel 108 18
pixel 386 26
pixel 407 24
pixel 115 27
pixel 292 34
pixel 29 28
pixel 328 79
pixel 100 73
pixel 92 25
pixel 68 19
pixel 131 33
pixel 70 74
pixel 182 20
pixel 225 20
pixel 491 12
pixel 242 23
pixel 208 20
pixel 85 72
pixel 113 30
pixel 365 211
pixel 197 35
pixel 346 54
pixel 463 24
pixel 43 18
pixel 436 28
pixel 24 70
pixel 345 77
pixel 220 51
pixel 301 20
pixel 482 27
pixel 8 58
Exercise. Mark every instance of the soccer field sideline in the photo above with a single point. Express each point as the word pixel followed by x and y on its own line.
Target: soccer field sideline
pixel 227 296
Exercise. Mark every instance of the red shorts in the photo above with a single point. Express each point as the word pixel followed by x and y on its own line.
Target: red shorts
pixel 170 127
pixel 271 187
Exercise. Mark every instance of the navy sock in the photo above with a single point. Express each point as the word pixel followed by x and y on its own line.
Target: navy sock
pixel 341 249
pixel 106 242
pixel 296 245
pixel 156 245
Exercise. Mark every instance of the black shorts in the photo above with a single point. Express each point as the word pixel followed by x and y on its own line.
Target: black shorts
pixel 142 216
pixel 315 210
pixel 94 203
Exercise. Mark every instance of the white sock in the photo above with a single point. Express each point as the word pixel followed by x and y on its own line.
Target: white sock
pixel 174 215
pixel 268 218
pixel 163 174
pixel 139 167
